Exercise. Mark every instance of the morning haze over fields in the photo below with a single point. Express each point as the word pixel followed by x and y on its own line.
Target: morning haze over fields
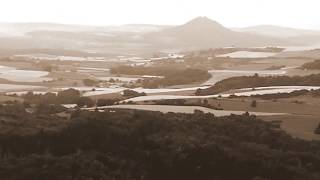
pixel 159 90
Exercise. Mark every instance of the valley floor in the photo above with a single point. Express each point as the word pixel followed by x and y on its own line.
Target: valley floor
pixel 299 115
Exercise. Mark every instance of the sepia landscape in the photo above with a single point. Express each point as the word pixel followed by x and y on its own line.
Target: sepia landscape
pixel 195 100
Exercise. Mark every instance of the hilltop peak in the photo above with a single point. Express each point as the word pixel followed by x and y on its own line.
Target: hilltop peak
pixel 203 32
pixel 203 21
pixel 201 18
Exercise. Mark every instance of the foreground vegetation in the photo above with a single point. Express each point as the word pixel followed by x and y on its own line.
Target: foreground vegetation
pixel 257 81
pixel 128 144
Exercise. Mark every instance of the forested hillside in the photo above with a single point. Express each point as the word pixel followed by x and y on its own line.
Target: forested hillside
pixel 127 145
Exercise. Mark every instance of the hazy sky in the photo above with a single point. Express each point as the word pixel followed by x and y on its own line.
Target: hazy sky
pixel 231 13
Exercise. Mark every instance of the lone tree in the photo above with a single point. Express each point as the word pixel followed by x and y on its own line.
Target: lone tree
pixel 205 102
pixel 85 101
pixel 90 82
pixel 105 102
pixel 317 130
pixel 254 103
pixel 69 96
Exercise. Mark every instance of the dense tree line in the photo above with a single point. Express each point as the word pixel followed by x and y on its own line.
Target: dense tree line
pixel 52 101
pixel 183 102
pixel 69 96
pixel 311 65
pixel 257 81
pixel 128 144
pixel 314 93
pixel 131 93
pixel 20 118
pixel 171 76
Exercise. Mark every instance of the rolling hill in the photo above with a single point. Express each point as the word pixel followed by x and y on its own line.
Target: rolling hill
pixel 198 33
pixel 203 32
pixel 278 31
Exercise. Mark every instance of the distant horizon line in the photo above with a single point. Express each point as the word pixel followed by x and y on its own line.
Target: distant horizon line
pixel 150 24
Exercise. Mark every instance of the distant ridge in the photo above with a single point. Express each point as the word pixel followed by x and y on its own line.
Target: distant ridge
pixel 199 33
pixel 203 32
pixel 278 31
